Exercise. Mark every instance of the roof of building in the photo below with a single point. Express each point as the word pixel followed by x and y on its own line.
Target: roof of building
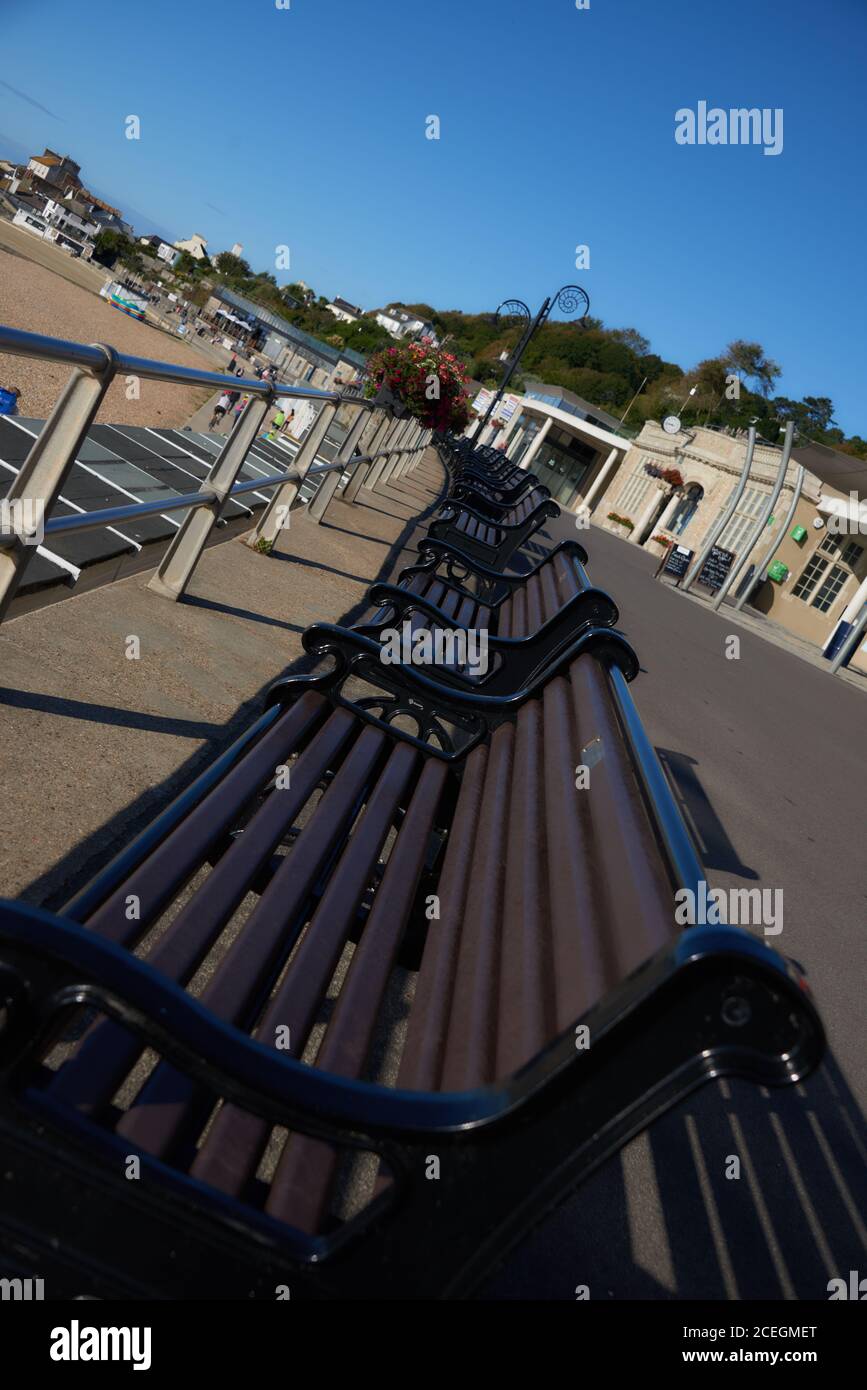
pixel 544 391
pixel 345 305
pixel 98 202
pixel 288 330
pixel 844 472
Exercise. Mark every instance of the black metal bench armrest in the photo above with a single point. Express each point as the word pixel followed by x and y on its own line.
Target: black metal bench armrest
pixel 541 512
pixel 446 551
pixel 436 697
pixel 516 662
pixel 667 1028
pixel 472 484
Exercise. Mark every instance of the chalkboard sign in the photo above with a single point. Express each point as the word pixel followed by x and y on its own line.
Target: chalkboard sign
pixel 716 567
pixel 677 561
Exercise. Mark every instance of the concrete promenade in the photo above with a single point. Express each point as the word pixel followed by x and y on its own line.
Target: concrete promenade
pixel 92 742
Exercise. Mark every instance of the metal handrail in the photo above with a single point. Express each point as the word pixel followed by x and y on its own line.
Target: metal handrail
pixel 112 516
pixel 43 473
pixel 91 357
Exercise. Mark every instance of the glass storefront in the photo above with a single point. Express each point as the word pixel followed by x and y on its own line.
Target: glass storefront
pixel 562 463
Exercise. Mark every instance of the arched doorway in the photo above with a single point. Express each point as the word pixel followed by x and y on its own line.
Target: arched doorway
pixel 686 509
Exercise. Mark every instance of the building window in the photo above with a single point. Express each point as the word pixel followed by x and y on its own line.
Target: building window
pixel 852 554
pixel 808 580
pixel 743 521
pixel 634 491
pixel 830 588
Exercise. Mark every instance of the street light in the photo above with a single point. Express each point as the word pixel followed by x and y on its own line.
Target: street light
pixel 567 299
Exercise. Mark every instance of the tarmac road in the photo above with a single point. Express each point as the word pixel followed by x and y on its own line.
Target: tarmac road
pixel 769 756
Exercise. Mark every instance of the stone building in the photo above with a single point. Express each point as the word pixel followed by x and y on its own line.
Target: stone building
pixel 660 488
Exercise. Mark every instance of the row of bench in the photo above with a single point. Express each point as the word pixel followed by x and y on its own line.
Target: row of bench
pixel 399 968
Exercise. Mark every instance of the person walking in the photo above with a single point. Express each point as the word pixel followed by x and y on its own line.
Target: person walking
pixel 233 364
pixel 223 404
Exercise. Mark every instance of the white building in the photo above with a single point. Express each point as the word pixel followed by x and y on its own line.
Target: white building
pixel 343 310
pixel 196 245
pixel 163 249
pixel 401 324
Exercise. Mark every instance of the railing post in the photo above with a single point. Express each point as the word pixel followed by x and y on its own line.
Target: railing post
pixel 328 486
pixel 274 518
pixel 42 475
pixel 397 468
pixel 415 458
pixel 405 450
pixel 179 562
pixel 386 427
pixel 382 470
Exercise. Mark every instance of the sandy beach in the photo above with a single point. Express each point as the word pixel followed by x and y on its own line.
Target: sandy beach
pixel 34 298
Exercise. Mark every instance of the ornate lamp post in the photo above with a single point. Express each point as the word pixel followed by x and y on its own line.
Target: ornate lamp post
pixel 568 300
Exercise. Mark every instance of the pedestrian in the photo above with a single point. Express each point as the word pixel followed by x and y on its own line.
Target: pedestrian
pixel 241 406
pixel 9 398
pixel 220 409
pixel 233 364
pixel 278 420
pixel 287 423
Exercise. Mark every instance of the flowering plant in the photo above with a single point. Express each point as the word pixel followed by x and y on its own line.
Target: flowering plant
pixel 428 381
pixel 672 476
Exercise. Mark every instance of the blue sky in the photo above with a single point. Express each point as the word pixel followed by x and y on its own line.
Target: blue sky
pixel 306 127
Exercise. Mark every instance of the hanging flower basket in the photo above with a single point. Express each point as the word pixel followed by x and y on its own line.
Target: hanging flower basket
pixel 421 380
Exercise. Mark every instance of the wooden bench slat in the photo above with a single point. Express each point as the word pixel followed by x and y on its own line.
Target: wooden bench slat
pixel 160 1116
pixel 301 1184
pixel 469 1058
pixel 92 1076
pixel 421 1063
pixel 636 910
pixel 172 862
pixel 525 989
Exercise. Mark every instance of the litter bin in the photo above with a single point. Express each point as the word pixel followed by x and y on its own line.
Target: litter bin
pixel 841 633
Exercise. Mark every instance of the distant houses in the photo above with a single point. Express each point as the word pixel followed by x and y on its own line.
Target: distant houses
pixel 400 323
pixel 50 200
pixel 343 310
pixel 195 245
pixel 164 249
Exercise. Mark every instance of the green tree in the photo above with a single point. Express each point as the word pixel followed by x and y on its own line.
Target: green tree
pixel 232 268
pixel 749 361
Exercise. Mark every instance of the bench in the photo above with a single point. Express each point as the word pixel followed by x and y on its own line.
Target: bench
pixel 526 619
pixel 493 541
pixel 371 995
pixel 481 494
